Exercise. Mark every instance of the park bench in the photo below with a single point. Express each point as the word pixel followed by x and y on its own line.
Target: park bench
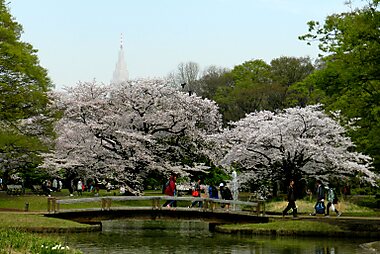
pixel 37 189
pixel 15 189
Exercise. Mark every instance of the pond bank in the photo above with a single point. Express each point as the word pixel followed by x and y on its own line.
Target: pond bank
pixel 57 229
pixel 347 227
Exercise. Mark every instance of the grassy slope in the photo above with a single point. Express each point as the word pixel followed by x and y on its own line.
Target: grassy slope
pixel 286 226
pixel 24 220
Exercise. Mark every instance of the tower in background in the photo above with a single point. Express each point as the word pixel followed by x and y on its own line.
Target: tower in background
pixel 121 73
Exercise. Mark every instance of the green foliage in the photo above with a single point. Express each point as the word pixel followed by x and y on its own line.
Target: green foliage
pixel 13 241
pixel 213 79
pixel 24 85
pixel 256 85
pixel 369 201
pixel 289 70
pixel 216 176
pixel 350 77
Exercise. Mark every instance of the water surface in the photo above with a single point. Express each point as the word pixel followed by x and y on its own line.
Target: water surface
pixel 194 237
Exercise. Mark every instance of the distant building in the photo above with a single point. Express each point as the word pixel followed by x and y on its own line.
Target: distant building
pixel 121 73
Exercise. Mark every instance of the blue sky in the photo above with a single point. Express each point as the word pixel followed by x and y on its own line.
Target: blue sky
pixel 78 40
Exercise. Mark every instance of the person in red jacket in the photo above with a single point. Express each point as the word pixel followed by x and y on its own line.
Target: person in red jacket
pixel 170 190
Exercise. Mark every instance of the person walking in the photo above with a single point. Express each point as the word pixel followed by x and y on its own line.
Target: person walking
pixel 55 184
pixel 79 187
pixel 225 193
pixel 332 200
pixel 196 192
pixel 213 193
pixel 320 205
pixel 170 190
pixel 291 200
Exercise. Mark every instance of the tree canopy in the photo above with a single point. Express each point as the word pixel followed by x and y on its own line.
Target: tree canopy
pixel 24 85
pixel 256 85
pixel 124 133
pixel 296 143
pixel 349 77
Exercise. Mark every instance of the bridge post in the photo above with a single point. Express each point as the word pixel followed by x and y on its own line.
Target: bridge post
pixel 206 204
pixel 260 208
pixel 109 203
pixel 106 203
pixel 263 207
pixel 156 204
pixel 51 204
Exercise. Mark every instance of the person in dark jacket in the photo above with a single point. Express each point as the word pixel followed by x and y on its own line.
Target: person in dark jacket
pixel 320 193
pixel 225 193
pixel 291 200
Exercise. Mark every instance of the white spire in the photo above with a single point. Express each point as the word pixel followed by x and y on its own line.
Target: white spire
pixel 121 73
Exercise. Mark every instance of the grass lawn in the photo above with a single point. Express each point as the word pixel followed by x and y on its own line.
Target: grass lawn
pixel 25 220
pixel 286 226
pixel 17 242
pixel 306 207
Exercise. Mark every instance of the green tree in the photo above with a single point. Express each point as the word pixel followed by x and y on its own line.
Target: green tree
pixel 350 77
pixel 24 119
pixel 287 70
pixel 212 78
pixel 256 85
pixel 249 90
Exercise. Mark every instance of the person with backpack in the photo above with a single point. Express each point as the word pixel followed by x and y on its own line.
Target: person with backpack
pixel 213 193
pixel 332 200
pixel 320 205
pixel 291 200
pixel 225 193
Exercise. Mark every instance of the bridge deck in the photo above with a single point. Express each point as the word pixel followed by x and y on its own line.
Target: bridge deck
pixel 97 215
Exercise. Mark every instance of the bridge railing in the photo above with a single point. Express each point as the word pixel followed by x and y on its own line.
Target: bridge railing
pixel 208 204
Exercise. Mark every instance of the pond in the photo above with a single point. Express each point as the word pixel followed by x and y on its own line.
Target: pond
pixel 194 237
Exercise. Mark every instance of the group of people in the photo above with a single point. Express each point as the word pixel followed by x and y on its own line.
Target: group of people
pixel 319 208
pixel 49 186
pixel 170 190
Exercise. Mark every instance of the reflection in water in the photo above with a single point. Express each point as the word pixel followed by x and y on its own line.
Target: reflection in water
pixel 194 237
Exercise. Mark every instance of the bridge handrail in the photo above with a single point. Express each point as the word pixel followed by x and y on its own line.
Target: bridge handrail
pixel 54 204
pixel 140 198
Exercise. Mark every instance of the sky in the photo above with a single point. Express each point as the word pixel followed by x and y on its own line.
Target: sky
pixel 79 40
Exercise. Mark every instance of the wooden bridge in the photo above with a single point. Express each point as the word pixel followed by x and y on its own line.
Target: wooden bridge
pixel 124 207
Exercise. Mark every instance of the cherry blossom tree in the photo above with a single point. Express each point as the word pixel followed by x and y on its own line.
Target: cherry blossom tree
pixel 128 131
pixel 294 143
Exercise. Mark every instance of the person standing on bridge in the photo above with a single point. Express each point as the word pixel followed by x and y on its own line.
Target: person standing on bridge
pixel 196 192
pixel 213 193
pixel 226 194
pixel 291 200
pixel 170 190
